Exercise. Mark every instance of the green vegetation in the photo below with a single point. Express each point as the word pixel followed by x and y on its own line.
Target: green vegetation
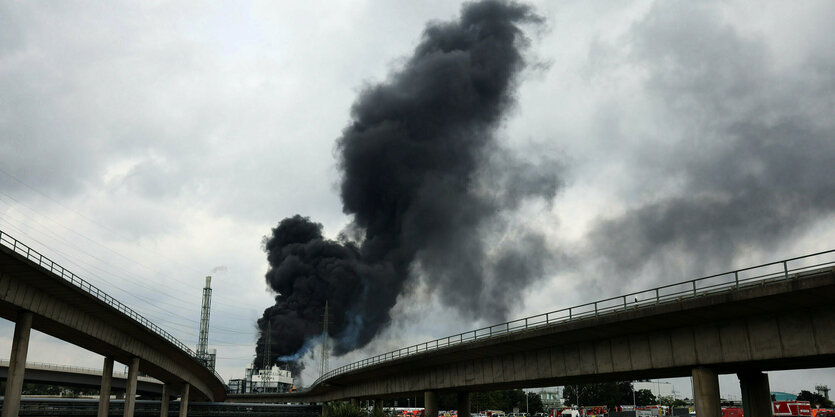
pixel 671 402
pixel 606 393
pixel 49 389
pixel 814 399
pixel 377 412
pixel 344 409
pixel 505 400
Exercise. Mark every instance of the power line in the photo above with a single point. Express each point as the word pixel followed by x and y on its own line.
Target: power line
pixel 125 275
pixel 88 239
pixel 82 265
pixel 49 231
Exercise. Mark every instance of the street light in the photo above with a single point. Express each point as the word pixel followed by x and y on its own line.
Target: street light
pixel 634 403
pixel 658 382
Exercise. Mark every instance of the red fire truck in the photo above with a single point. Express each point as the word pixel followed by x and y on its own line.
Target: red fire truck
pixel 792 408
pixel 731 412
pixel 823 412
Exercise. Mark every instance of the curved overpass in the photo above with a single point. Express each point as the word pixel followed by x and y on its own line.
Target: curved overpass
pixel 73 376
pixel 36 290
pixel 771 317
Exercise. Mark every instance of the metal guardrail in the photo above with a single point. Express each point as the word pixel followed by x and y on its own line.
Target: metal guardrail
pixel 733 280
pixel 75 370
pixel 46 263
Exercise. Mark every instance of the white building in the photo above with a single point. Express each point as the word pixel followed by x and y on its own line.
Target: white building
pixel 551 397
pixel 275 379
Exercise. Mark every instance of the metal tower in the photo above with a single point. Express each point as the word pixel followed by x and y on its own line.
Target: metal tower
pixel 267 332
pixel 203 338
pixel 823 390
pixel 324 367
pixel 266 371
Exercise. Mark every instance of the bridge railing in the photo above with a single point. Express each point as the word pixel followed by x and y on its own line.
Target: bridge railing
pixel 785 269
pixel 74 370
pixel 22 249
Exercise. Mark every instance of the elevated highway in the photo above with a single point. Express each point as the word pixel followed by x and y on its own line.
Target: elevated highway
pixel 74 376
pixel 35 292
pixel 771 317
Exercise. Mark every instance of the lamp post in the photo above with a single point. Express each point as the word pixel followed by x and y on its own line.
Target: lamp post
pixel 634 403
pixel 658 382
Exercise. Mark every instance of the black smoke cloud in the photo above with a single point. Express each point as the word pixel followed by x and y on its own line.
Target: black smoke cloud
pixel 426 184
pixel 751 149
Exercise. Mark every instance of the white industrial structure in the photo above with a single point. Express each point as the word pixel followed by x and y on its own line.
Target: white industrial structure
pixel 551 397
pixel 273 379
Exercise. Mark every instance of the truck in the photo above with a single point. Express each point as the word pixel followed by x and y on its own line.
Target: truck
pixel 791 408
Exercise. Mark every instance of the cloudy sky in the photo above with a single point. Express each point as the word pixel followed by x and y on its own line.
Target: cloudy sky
pixel 147 145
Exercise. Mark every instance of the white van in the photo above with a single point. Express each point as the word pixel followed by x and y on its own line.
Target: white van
pixel 570 413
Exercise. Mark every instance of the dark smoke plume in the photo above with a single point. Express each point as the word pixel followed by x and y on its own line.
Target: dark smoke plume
pixel 426 182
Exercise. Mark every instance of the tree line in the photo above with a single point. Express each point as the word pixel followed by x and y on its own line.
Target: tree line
pixel 505 400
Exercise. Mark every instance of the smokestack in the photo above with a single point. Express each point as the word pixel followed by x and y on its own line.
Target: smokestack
pixel 203 338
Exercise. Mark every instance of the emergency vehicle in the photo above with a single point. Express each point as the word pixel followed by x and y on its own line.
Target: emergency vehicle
pixel 731 412
pixel 791 408
pixel 595 410
pixel 823 412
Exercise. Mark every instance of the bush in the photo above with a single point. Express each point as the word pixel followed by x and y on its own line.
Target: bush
pixel 378 411
pixel 341 409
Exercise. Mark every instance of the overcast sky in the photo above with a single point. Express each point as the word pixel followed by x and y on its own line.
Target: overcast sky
pixel 147 145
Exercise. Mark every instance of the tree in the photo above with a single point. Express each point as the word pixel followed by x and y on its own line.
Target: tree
pixel 669 401
pixel 610 394
pixel 814 399
pixel 505 400
pixel 645 397
pixel 535 403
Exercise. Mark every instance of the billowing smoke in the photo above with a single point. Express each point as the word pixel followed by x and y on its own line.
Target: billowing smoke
pixel 427 184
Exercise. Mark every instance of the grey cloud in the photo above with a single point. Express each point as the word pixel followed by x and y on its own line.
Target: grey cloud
pixel 754 167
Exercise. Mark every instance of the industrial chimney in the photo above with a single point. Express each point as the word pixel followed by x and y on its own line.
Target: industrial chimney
pixel 203 339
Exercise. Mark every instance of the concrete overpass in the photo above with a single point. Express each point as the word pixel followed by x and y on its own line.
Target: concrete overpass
pixel 74 376
pixel 771 317
pixel 35 292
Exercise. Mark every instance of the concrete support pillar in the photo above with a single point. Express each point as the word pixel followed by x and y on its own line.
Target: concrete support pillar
pixel 463 404
pixel 17 364
pixel 184 400
pixel 324 409
pixel 706 392
pixel 355 402
pixel 106 383
pixel 430 404
pixel 756 394
pixel 130 387
pixel 163 402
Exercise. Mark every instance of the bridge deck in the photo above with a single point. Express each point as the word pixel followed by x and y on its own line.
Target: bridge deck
pixel 69 308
